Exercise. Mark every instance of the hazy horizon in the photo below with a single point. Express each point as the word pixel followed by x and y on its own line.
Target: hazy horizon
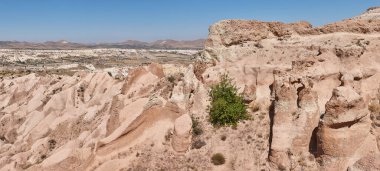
pixel 122 41
pixel 96 21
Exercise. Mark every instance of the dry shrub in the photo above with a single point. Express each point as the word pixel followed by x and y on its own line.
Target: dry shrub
pixel 374 107
pixel 254 106
pixel 199 68
pixel 218 159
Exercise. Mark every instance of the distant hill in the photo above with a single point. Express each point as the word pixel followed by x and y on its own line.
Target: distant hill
pixel 130 44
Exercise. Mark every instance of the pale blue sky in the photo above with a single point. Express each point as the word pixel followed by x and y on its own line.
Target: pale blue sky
pixel 148 20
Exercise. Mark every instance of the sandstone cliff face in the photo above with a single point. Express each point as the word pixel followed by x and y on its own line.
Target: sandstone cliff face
pixel 332 73
pixel 236 32
pixel 91 121
pixel 313 94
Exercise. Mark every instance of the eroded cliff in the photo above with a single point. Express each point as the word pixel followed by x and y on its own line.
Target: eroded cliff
pixel 313 94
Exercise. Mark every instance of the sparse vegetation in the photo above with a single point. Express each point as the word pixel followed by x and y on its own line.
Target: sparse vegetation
pixel 197 129
pixel 218 159
pixel 374 107
pixel 171 79
pixel 52 144
pixel 311 157
pixel 259 45
pixel 234 127
pixel 227 106
pixel 25 166
pixel 281 167
pixel 254 107
pixel 2 138
pixel 223 137
pixel 262 115
pixel 199 68
pixel 168 135
pixel 198 144
pixel 302 162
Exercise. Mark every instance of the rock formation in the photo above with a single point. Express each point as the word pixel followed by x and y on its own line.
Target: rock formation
pixel 313 94
pixel 334 69
pixel 296 115
pixel 182 133
pixel 344 135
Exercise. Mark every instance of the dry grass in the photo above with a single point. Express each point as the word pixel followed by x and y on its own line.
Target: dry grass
pixel 374 107
pixel 255 106
pixel 199 68
pixel 196 127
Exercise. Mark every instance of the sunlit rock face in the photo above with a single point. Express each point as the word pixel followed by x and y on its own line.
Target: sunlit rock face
pixel 312 93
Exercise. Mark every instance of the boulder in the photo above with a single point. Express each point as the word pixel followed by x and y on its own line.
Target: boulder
pixel 344 133
pixel 182 133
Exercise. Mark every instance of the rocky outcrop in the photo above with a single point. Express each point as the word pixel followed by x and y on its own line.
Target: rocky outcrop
pixel 62 122
pixel 183 92
pixel 182 133
pixel 372 13
pixel 253 36
pixel 296 115
pixel 374 107
pixel 308 90
pixel 344 134
pixel 334 67
pixel 235 32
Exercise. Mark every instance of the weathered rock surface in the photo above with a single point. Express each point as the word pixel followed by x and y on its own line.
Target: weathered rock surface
pixel 308 88
pixel 370 162
pixel 342 67
pixel 296 115
pixel 68 123
pixel 344 135
pixel 182 133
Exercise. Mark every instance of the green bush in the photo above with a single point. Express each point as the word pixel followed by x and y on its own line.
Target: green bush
pixel 218 159
pixel 227 106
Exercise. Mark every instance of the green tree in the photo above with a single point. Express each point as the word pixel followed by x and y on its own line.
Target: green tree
pixel 227 106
